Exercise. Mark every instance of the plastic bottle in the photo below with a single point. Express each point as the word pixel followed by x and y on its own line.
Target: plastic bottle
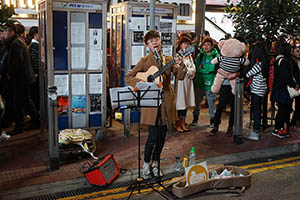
pixel 178 165
pixel 192 156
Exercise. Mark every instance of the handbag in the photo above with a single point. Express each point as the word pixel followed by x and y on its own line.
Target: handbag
pixel 292 92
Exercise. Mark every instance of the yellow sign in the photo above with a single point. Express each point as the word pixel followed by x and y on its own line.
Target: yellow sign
pixel 118 115
pixel 196 173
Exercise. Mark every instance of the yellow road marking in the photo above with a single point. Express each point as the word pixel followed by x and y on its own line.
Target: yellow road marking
pixel 111 194
pixel 275 167
pixel 269 163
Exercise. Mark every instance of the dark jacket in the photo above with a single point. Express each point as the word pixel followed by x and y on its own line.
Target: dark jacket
pixel 282 79
pixel 282 74
pixel 18 63
pixel 34 53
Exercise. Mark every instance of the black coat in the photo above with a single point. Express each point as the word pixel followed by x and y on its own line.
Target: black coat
pixel 18 62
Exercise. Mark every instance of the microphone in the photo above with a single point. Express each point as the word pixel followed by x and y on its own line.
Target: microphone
pixel 155 52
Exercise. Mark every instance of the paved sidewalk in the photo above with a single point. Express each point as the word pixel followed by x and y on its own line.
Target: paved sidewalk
pixel 24 158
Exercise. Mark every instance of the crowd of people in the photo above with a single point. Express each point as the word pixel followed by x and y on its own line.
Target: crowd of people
pixel 19 74
pixel 270 73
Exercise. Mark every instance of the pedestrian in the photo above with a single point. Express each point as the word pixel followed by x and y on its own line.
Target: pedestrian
pixel 205 76
pixel 258 87
pixel 296 74
pixel 226 97
pixel 20 74
pixel 185 96
pixel 282 79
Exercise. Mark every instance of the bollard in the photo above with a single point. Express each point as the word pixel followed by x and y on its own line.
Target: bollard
pixel 53 129
pixel 238 111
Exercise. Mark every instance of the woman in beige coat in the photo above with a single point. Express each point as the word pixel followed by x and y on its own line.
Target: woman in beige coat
pixel 149 116
pixel 185 96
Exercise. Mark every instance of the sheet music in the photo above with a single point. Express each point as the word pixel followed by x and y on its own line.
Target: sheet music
pixel 153 93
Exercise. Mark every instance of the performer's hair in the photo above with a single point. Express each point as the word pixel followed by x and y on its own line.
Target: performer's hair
pixel 151 34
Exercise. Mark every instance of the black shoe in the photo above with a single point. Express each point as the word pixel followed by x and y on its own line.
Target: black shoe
pixel 212 122
pixel 15 131
pixel 229 131
pixel 195 121
pixel 214 131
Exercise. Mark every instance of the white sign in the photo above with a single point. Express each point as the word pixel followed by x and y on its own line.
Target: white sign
pixel 77 6
pixel 196 173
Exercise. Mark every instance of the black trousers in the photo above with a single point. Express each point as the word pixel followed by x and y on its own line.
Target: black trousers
pixel 283 115
pixel 226 97
pixel 155 141
pixel 296 115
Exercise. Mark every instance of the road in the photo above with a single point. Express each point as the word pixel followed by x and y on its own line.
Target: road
pixel 277 178
pixel 273 184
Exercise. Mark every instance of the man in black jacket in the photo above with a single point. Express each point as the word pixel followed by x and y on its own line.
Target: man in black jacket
pixel 20 75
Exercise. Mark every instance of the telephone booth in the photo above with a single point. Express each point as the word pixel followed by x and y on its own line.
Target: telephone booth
pixel 129 21
pixel 73 58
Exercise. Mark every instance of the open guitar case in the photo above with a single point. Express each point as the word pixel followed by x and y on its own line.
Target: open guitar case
pixel 243 181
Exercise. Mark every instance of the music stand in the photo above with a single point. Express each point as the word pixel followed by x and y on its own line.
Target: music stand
pixel 140 98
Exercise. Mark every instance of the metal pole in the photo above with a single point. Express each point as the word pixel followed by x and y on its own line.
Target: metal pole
pixel 200 18
pixel 152 14
pixel 53 129
pixel 238 111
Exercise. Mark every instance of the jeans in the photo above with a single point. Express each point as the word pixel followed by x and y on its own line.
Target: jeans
pixel 211 98
pixel 256 103
pixel 226 97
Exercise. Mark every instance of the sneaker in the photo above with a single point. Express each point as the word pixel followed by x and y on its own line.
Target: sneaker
pixel 4 136
pixel 155 169
pixel 285 133
pixel 214 131
pixel 146 174
pixel 278 133
pixel 253 136
pixel 212 123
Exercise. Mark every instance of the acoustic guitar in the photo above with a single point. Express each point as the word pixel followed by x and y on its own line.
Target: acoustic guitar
pixel 153 73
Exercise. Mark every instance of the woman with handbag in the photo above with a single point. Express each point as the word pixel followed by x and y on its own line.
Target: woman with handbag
pixel 185 96
pixel 296 73
pixel 282 79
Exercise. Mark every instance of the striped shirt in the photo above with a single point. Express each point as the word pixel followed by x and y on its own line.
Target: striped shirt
pixel 231 64
pixel 258 85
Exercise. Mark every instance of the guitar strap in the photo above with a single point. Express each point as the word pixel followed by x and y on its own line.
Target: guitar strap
pixel 163 98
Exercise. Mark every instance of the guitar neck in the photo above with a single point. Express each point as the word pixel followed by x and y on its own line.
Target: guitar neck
pixel 167 66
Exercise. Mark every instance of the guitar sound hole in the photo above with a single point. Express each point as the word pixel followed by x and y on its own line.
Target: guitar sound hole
pixel 150 78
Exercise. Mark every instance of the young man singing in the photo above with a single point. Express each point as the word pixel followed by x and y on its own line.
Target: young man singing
pixel 155 117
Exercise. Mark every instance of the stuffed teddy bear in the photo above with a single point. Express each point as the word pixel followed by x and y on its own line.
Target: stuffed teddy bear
pixel 230 62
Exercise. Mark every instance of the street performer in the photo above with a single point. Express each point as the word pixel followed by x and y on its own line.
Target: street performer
pixel 155 117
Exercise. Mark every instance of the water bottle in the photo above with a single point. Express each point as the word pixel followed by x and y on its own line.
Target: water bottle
pixel 178 165
pixel 192 156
